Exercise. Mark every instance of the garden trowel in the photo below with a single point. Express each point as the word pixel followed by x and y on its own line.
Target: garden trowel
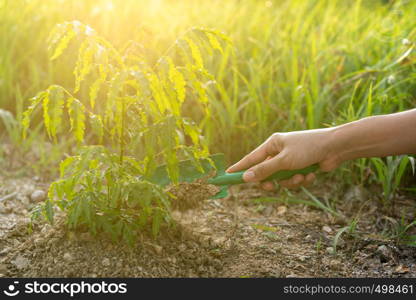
pixel 189 172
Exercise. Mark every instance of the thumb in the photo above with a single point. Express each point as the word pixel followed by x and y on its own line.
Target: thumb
pixel 264 169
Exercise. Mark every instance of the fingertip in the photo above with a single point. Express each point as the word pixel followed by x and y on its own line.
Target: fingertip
pixel 230 169
pixel 297 179
pixel 309 178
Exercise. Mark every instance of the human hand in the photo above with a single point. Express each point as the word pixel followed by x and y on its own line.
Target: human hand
pixel 289 151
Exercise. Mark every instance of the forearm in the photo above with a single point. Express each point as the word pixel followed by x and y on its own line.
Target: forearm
pixel 376 136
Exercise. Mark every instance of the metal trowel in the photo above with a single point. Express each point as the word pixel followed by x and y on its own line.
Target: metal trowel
pixel 188 172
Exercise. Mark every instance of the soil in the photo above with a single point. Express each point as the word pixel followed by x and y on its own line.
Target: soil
pixel 188 195
pixel 240 236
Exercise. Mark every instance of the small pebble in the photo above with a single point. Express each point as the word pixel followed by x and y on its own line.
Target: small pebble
pixel 182 247
pixel 268 211
pixel 401 269
pixel 25 201
pixel 330 250
pixel 281 210
pixel 67 256
pixel 384 252
pixel 106 262
pixel 327 229
pixel 38 196
pixel 335 264
pixel 45 229
pixel 201 269
pixel 158 249
pixel 38 241
pixel 20 262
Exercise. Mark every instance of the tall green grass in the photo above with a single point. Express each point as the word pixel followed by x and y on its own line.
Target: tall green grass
pixel 295 64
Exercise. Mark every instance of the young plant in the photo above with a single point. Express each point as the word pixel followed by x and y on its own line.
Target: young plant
pixel 131 122
pixel 390 173
pixel 349 230
pixel 402 235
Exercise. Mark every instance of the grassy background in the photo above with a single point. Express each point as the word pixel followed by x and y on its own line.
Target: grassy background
pixel 298 64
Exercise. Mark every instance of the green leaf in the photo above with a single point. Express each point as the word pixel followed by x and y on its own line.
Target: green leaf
pixel 198 86
pixel 95 87
pixel 46 117
pixel 177 80
pixel 34 102
pixel 62 38
pixel 338 236
pixel 193 132
pixel 158 93
pixel 63 167
pixel 157 219
pixel 404 161
pixel 48 211
pixel 76 112
pixel 195 53
pixel 84 64
pixel 215 44
pixel 97 126
pixel 53 104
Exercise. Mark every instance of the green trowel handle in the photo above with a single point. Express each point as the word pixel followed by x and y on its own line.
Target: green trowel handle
pixel 237 177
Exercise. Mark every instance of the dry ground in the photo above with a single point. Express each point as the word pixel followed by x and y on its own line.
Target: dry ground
pixel 233 237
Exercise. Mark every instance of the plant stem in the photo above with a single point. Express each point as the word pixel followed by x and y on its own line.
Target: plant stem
pixel 123 108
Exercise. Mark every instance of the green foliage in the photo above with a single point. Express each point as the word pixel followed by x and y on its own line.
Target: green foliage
pixel 390 173
pixel 299 64
pixel 100 194
pixel 350 230
pixel 134 111
pixel 402 233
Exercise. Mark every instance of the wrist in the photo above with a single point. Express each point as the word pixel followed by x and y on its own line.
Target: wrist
pixel 334 144
pixel 355 139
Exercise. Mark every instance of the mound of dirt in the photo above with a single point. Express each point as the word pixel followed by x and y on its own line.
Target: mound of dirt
pixel 189 195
